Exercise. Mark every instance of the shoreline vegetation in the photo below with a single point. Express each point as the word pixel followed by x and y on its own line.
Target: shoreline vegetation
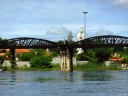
pixel 41 60
pixel 82 67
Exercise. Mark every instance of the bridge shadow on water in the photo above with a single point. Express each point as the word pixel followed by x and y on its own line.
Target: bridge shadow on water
pixel 97 76
pixel 86 76
pixel 67 76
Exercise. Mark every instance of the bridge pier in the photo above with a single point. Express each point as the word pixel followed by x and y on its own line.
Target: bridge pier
pixel 12 58
pixel 66 63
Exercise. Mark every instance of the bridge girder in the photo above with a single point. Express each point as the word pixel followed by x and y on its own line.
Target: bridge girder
pixel 103 41
pixel 93 42
pixel 26 42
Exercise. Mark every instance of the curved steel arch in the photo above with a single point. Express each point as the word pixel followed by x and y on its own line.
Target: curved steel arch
pixel 26 42
pixel 103 41
pixel 93 42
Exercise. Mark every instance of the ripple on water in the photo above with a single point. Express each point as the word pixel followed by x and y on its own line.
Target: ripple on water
pixel 56 83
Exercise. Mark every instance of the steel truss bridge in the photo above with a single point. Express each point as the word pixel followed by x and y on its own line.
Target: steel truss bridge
pixel 66 48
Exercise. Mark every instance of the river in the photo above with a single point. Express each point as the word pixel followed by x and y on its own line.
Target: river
pixel 57 83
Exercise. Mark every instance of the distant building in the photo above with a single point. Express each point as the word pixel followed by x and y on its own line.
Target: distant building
pixel 80 36
pixel 17 51
pixel 116 57
pixel 22 51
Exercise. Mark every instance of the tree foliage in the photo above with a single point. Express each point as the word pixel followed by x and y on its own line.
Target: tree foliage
pixel 38 58
pixel 70 36
pixel 88 55
pixel 25 56
pixel 41 62
pixel 103 54
pixel 96 55
pixel 1 60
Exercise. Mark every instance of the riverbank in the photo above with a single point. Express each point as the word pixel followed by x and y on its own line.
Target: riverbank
pixel 25 66
pixel 86 67
pixel 79 66
pixel 98 68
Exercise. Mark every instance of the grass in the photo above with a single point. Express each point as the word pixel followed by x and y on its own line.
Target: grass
pixel 93 66
pixel 80 67
pixel 54 67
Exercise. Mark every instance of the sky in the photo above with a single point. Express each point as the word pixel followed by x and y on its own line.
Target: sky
pixel 54 19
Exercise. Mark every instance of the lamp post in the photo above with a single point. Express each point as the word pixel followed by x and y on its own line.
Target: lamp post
pixel 85 22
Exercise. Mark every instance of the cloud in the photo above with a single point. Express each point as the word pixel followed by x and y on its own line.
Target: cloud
pixel 123 3
pixel 103 32
pixel 57 31
pixel 100 29
pixel 45 18
pixel 120 2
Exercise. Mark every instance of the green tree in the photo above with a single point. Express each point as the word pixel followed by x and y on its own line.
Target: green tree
pixel 118 49
pixel 89 55
pixel 37 52
pixel 1 60
pixel 25 56
pixel 70 36
pixel 103 54
pixel 96 55
pixel 1 39
pixel 41 62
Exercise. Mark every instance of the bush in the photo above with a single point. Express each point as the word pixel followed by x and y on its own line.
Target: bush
pixel 24 56
pixel 88 55
pixel 1 60
pixel 41 61
pixel 89 65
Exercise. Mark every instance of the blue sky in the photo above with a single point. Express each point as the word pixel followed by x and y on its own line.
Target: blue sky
pixel 54 19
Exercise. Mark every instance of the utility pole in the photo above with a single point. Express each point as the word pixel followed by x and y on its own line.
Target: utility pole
pixel 85 13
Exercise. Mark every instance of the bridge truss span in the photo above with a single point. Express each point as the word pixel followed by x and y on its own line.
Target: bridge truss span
pixel 104 41
pixel 26 42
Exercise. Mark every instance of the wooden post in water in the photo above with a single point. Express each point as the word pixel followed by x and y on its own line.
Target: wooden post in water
pixel 66 59
pixel 70 57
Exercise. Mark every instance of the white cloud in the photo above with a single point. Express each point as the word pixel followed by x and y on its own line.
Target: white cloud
pixel 45 18
pixel 57 32
pixel 123 3
pixel 120 2
pixel 102 29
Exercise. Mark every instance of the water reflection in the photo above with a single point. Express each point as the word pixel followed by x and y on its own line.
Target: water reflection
pixel 97 76
pixel 43 79
pixel 56 83
pixel 10 78
pixel 67 76
pixel 7 78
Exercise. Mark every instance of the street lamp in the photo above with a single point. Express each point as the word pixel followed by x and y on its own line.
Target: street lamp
pixel 85 22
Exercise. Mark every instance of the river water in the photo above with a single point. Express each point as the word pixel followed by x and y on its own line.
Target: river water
pixel 56 83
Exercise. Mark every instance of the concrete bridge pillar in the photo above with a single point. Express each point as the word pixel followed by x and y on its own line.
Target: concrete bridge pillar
pixel 12 58
pixel 66 63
